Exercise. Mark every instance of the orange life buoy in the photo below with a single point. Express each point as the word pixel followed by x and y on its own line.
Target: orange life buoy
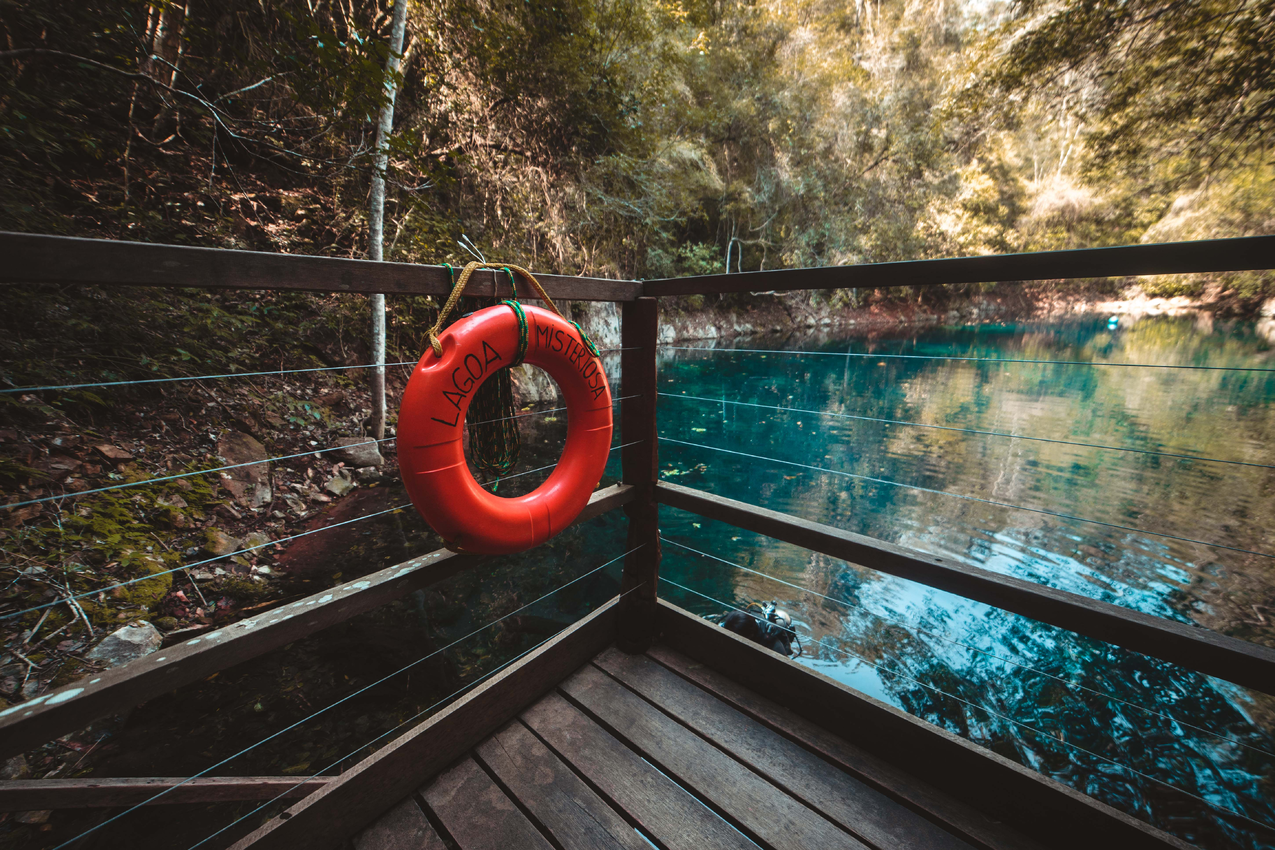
pixel 431 423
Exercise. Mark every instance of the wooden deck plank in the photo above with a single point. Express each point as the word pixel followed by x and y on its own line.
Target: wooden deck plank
pixel 403 827
pixel 477 814
pixel 357 797
pixel 563 805
pixel 1048 811
pixel 762 811
pixel 952 814
pixel 657 804
pixel 864 811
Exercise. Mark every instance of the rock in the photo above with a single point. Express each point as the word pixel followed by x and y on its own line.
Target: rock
pixel 201 575
pixel 218 543
pixel 600 320
pixel 15 768
pixel 136 640
pixel 33 818
pixel 114 454
pixel 256 540
pixel 247 485
pixel 368 475
pixel 167 623
pixel 340 484
pixel 358 452
pixel 533 385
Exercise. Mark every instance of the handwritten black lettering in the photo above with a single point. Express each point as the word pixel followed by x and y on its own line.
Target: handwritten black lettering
pixel 490 353
pixel 470 369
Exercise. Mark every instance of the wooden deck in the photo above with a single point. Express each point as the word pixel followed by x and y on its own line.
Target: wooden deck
pixel 635 750
pixel 703 741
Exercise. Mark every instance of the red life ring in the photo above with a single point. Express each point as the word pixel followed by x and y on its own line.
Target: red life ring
pixel 431 423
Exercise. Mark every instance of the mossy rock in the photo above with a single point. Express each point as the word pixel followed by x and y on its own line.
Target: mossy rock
pixel 149 592
pixel 243 589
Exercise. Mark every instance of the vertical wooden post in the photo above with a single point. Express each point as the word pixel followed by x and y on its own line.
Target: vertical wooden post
pixel 639 321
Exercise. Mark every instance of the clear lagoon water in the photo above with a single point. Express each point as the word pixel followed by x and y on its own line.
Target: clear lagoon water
pixel 978 460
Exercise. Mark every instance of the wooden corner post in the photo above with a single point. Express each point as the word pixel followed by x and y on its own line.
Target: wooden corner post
pixel 638 612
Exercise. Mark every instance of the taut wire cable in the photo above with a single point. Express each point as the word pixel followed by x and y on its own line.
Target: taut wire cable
pixel 386 734
pixel 273 372
pixel 191 566
pixel 163 478
pixel 216 377
pixel 868 355
pixel 988 653
pixel 343 699
pixel 150 576
pixel 968 430
pixel 993 502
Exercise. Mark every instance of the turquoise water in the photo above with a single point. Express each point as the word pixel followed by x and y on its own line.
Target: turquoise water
pixel 832 437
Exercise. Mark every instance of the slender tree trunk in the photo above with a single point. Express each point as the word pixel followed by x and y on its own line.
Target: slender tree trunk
pixel 376 215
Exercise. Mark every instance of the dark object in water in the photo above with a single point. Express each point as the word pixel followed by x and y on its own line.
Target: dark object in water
pixel 769 627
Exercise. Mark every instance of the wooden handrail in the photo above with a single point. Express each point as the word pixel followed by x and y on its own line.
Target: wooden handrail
pixel 345 805
pixel 37 258
pixel 28 795
pixel 1194 647
pixel 79 703
pixel 1213 255
pixel 33 258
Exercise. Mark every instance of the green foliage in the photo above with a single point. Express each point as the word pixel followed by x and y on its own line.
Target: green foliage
pixel 636 138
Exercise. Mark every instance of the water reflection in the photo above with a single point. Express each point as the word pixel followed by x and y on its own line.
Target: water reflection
pixel 1117 725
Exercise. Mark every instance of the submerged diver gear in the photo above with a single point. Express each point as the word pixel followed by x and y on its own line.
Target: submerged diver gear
pixel 764 624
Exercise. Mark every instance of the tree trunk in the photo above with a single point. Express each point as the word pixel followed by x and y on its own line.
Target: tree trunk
pixel 376 215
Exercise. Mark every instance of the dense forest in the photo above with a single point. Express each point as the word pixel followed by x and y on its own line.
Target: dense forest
pixel 614 138
pixel 646 138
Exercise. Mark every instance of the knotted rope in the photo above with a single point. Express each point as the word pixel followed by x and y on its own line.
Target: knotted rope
pixel 459 290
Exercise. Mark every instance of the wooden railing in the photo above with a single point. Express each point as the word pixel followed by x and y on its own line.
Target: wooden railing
pixel 28 259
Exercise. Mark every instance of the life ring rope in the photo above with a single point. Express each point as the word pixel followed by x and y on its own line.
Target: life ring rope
pixel 459 289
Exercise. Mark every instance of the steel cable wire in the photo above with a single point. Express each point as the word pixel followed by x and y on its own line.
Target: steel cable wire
pixel 967 498
pixel 867 355
pixel 76 494
pixel 149 576
pixel 342 700
pixel 163 478
pixel 1214 806
pixel 272 372
pixel 968 430
pixel 988 653
pixel 386 734
pixel 268 373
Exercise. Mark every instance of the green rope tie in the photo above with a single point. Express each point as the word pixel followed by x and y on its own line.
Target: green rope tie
pixel 584 337
pixel 522 331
